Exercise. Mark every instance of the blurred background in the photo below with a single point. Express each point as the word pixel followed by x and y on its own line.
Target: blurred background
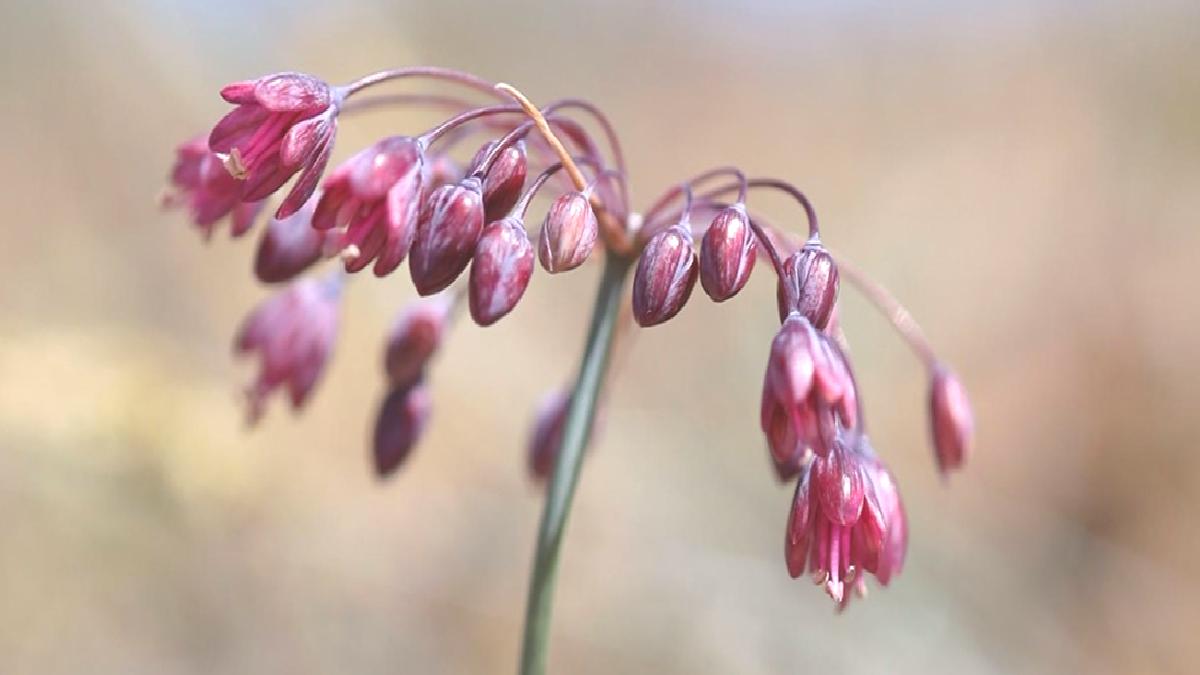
pixel 1025 175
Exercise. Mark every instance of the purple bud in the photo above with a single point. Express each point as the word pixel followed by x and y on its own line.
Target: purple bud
pixel 809 286
pixel 289 246
pixel 415 337
pixel 500 270
pixel 447 232
pixel 402 419
pixel 727 254
pixel 504 181
pixel 951 420
pixel 569 233
pixel 546 437
pixel 665 276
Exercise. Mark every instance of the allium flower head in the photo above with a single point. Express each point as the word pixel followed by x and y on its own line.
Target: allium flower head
pixel 808 395
pixel 201 184
pixel 374 199
pixel 283 124
pixel 293 333
pixel 289 246
pixel 846 520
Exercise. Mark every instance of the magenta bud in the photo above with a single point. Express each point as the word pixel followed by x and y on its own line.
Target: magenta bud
pixel 504 181
pixel 289 246
pixel 500 270
pixel 415 337
pixel 799 532
pixel 951 420
pixel 568 234
pixel 402 419
pixel 727 253
pixel 809 286
pixel 665 276
pixel 546 437
pixel 838 484
pixel 448 230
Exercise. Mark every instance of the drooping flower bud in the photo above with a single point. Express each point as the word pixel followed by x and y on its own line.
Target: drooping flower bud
pixel 401 421
pixel 727 253
pixel 283 124
pixel 415 337
pixel 568 234
pixel 546 436
pixel 448 231
pixel 809 285
pixel 289 246
pixel 665 276
pixel 504 180
pixel 951 421
pixel 200 183
pixel 500 270
pixel 293 333
pixel 374 199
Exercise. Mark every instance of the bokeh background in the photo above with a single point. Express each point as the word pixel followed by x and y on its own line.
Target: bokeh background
pixel 1026 175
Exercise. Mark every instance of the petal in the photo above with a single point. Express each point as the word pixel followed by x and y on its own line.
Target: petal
pixel 239 92
pixel 306 184
pixel 292 92
pixel 236 127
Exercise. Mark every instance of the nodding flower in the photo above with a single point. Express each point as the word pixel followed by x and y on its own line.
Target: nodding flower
pixel 201 184
pixel 292 333
pixel 283 124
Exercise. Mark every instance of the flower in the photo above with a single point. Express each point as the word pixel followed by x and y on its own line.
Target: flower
pixel 401 421
pixel 727 253
pixel 500 270
pixel 665 276
pixel 951 422
pixel 504 179
pixel 202 184
pixel 846 520
pixel 293 333
pixel 569 233
pixel 808 395
pixel 447 233
pixel 809 285
pixel 283 124
pixel 289 246
pixel 375 197
pixel 546 436
pixel 415 337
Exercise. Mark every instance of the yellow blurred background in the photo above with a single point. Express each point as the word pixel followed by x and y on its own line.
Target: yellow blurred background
pixel 1025 175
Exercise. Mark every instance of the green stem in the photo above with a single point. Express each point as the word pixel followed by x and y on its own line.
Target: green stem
pixel 561 490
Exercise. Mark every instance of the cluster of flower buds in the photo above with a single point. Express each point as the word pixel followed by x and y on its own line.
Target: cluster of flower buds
pixel 406 197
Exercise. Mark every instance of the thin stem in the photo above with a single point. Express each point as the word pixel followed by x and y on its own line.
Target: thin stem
pixel 561 490
pixel 814 230
pixel 430 72
pixel 433 134
pixel 889 306
pixel 522 206
pixel 673 192
pixel 453 103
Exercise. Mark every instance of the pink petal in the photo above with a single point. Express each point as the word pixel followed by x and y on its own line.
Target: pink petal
pixel 292 92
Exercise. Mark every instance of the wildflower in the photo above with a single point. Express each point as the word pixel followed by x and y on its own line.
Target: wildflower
pixel 727 253
pixel 447 233
pixel 283 124
pixel 951 421
pixel 401 421
pixel 415 336
pixel 374 199
pixel 569 233
pixel 289 246
pixel 809 285
pixel 292 332
pixel 202 184
pixel 500 270
pixel 665 276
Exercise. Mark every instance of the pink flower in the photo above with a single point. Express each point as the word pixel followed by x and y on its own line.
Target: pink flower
pixel 415 337
pixel 665 276
pixel 808 395
pixel 289 246
pixel 500 270
pixel 846 520
pixel 293 333
pixel 951 421
pixel 202 184
pixel 375 196
pixel 283 124
pixel 401 421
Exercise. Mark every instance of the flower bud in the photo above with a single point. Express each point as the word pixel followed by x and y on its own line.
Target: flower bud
pixel 449 228
pixel 950 419
pixel 289 246
pixel 546 437
pixel 568 234
pixel 809 286
pixel 727 254
pixel 500 270
pixel 402 419
pixel 415 337
pixel 504 180
pixel 665 276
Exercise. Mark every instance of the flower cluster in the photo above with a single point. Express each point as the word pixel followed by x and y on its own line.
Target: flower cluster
pixel 413 198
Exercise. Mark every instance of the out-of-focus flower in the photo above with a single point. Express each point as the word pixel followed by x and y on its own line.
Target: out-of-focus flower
pixel 283 124
pixel 289 246
pixel 201 184
pixel 415 337
pixel 546 435
pixel 292 332
pixel 401 421
pixel 951 421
